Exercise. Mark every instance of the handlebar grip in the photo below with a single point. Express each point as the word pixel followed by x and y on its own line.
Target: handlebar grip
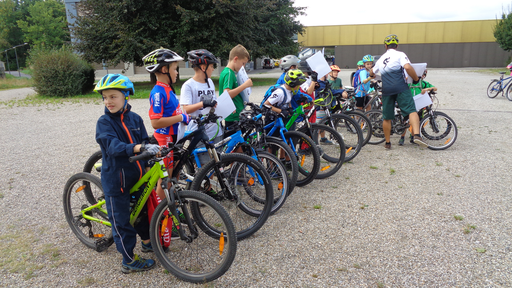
pixel 142 156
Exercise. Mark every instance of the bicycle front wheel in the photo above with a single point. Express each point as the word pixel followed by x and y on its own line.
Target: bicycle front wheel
pixel 375 117
pixel 81 191
pixel 306 155
pixel 509 91
pixel 363 122
pixel 493 89
pixel 331 148
pixel 280 181
pixel 438 130
pixel 209 250
pixel 242 186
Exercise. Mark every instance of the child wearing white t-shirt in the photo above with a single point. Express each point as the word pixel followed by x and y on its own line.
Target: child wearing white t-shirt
pixel 198 93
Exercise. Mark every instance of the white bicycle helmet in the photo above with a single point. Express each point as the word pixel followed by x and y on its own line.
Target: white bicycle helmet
pixel 288 61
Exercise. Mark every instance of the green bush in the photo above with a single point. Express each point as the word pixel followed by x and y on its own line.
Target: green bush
pixel 60 73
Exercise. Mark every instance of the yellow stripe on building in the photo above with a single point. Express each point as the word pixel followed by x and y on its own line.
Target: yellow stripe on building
pixel 408 33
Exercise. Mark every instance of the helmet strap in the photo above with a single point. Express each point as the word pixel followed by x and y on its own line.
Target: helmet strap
pixel 206 74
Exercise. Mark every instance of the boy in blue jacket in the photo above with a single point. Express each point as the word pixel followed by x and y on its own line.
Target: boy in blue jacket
pixel 121 134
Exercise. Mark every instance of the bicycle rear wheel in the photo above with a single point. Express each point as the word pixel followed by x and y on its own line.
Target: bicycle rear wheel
pixel 493 89
pixel 211 247
pixel 306 155
pixel 93 164
pixel 350 131
pixel 331 148
pixel 246 191
pixel 375 117
pixel 80 192
pixel 363 122
pixel 282 151
pixel 438 130
pixel 280 182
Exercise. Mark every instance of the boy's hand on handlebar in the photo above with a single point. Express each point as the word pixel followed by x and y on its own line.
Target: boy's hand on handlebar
pixel 209 103
pixel 414 82
pixel 285 112
pixel 314 76
pixel 185 118
pixel 153 149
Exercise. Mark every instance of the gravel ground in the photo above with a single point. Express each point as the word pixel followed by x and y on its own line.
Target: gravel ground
pixel 374 228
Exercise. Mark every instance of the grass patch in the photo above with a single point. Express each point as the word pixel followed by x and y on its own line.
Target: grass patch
pixel 318 206
pixel 142 91
pixel 87 281
pixel 458 217
pixel 439 164
pixel 363 206
pixel 12 82
pixel 469 228
pixel 357 266
pixel 18 254
pixel 380 285
pixel 392 171
pixel 481 250
pixel 374 167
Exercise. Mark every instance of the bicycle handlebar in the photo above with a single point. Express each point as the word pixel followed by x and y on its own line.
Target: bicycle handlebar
pixel 146 155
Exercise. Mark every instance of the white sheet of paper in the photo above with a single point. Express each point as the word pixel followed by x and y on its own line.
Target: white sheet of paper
pixel 317 63
pixel 419 68
pixel 241 77
pixel 225 105
pixel 422 100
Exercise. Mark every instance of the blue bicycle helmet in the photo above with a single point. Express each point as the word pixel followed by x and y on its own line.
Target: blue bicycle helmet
pixel 115 81
pixel 368 58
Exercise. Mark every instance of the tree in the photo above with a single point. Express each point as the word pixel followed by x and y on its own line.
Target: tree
pixel 125 30
pixel 46 24
pixel 503 31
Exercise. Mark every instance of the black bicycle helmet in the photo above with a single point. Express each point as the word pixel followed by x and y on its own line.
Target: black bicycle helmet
pixel 201 56
pixel 304 66
pixel 158 58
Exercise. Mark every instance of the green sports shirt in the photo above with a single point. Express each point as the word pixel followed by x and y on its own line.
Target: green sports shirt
pixel 228 80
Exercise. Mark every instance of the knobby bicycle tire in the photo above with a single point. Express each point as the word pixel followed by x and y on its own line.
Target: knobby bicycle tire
pixel 332 155
pixel 509 91
pixel 350 131
pixel 307 156
pixel 494 89
pixel 81 191
pixel 278 176
pixel 209 252
pixel 248 180
pixel 364 123
pixel 93 164
pixel 375 117
pixel 438 130
pixel 282 151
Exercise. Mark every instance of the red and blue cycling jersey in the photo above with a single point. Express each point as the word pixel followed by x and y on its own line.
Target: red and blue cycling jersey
pixel 164 103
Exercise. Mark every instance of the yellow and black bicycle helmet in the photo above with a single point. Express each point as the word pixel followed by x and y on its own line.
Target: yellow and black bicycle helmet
pixel 391 39
pixel 294 78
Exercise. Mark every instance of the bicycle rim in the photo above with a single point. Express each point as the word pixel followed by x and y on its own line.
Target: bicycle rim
pixel 363 122
pixel 307 156
pixel 80 190
pixel 283 152
pixel 375 117
pixel 278 177
pixel 331 148
pixel 350 131
pixel 438 130
pixel 211 248
pixel 249 184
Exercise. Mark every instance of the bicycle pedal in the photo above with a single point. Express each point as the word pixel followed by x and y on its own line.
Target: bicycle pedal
pixel 102 244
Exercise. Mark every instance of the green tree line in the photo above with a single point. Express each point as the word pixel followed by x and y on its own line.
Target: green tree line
pixel 126 30
pixel 40 23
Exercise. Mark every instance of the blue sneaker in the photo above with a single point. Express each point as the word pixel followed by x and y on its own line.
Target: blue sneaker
pixel 137 265
pixel 146 248
pixel 324 140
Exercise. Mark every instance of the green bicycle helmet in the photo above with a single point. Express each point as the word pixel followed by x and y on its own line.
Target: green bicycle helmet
pixel 115 81
pixel 368 58
pixel 294 78
pixel 360 63
pixel 391 39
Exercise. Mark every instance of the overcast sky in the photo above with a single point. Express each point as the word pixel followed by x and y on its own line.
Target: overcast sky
pixel 346 12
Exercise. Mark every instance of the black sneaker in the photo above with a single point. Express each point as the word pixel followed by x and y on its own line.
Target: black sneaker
pixel 137 265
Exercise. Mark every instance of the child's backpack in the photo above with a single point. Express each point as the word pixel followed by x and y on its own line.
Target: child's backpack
pixel 355 80
pixel 270 91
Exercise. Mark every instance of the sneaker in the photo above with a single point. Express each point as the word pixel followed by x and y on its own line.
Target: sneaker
pixel 146 248
pixel 325 141
pixel 412 140
pixel 418 140
pixel 138 264
pixel 401 141
pixel 387 145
